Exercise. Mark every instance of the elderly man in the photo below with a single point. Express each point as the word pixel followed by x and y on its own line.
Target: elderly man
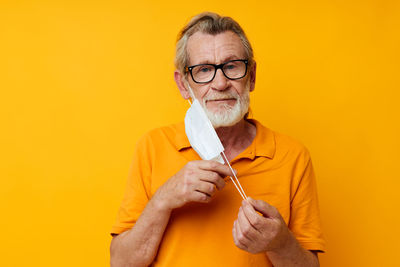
pixel 179 210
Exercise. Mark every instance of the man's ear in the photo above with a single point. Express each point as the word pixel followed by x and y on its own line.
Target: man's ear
pixel 180 82
pixel 253 76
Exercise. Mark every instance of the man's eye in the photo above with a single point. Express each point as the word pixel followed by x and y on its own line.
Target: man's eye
pixel 230 66
pixel 205 69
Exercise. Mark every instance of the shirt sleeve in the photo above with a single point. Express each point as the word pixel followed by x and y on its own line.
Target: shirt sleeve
pixel 305 221
pixel 137 193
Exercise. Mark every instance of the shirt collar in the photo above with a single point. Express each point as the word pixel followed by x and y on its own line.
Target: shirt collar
pixel 263 144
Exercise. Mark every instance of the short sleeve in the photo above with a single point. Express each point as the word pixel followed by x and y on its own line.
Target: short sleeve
pixel 305 221
pixel 137 192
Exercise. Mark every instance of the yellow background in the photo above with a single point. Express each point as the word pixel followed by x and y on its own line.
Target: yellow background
pixel 81 81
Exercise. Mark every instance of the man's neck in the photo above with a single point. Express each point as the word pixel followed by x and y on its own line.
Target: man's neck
pixel 236 138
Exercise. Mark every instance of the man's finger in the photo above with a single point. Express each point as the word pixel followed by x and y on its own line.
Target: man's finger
pixel 251 215
pixel 197 196
pixel 211 165
pixel 248 230
pixel 264 208
pixel 235 239
pixel 237 236
pixel 212 177
pixel 205 187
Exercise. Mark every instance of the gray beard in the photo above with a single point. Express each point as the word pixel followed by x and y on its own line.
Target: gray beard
pixel 227 115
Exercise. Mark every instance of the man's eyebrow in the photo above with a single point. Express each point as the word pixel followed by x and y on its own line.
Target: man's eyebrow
pixel 204 62
pixel 229 58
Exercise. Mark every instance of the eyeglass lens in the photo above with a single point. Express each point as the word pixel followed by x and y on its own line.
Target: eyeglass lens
pixel 206 72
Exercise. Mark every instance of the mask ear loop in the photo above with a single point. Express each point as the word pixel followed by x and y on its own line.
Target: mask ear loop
pixel 191 94
pixel 241 191
pixel 238 188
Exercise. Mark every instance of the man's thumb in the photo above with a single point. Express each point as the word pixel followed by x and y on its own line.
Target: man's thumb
pixel 261 206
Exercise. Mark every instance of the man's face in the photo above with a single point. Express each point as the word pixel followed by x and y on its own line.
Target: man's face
pixel 225 101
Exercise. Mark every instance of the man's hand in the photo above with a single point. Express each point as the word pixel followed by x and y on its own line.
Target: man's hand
pixel 257 233
pixel 197 181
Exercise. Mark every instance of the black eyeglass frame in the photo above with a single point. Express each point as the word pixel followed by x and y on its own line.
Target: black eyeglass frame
pixel 216 67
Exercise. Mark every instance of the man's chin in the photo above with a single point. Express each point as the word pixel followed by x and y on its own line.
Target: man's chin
pixel 224 115
pixel 220 105
pixel 220 110
pixel 223 120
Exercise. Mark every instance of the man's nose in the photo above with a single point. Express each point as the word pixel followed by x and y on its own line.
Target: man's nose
pixel 220 82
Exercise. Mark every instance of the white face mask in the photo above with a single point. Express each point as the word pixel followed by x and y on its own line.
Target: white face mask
pixel 205 141
pixel 201 134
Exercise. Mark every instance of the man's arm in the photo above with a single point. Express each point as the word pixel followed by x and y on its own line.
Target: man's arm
pixel 269 234
pixel 197 181
pixel 138 246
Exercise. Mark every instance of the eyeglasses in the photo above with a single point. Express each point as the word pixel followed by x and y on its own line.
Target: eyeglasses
pixel 205 73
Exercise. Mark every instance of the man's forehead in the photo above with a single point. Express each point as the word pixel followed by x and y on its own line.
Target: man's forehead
pixel 207 48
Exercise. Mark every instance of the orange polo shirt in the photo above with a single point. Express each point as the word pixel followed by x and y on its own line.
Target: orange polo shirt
pixel 274 168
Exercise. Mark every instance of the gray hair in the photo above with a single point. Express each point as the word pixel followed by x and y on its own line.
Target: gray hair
pixel 209 23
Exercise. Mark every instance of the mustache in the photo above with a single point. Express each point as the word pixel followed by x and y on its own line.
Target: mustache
pixel 221 96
